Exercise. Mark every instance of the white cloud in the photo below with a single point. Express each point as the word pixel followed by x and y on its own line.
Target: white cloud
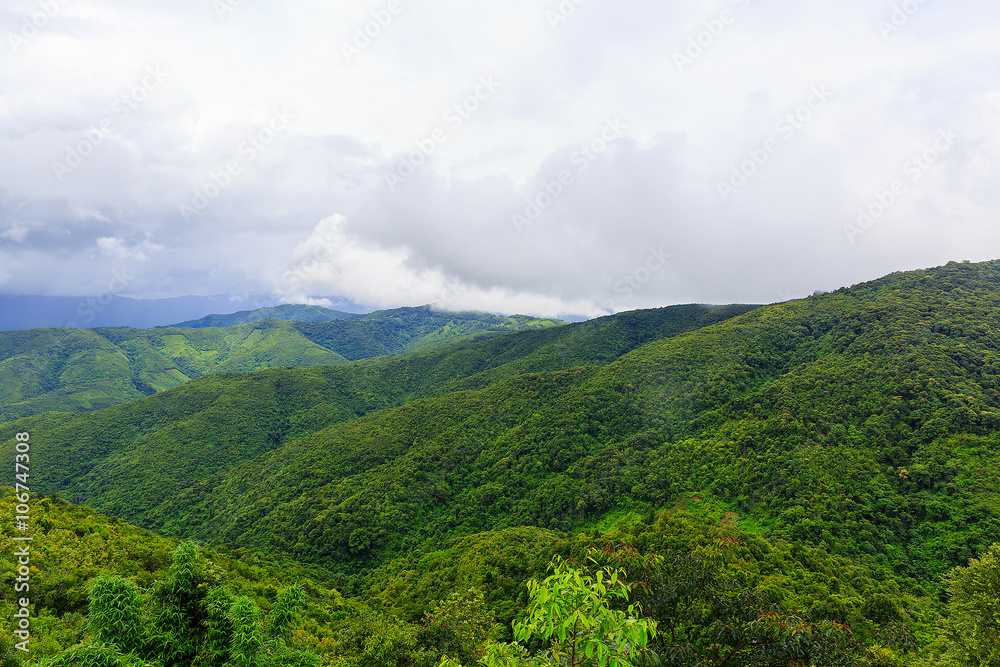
pixel 17 233
pixel 331 261
pixel 448 227
pixel 119 249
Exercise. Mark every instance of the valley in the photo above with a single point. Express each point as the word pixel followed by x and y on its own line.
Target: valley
pixel 834 458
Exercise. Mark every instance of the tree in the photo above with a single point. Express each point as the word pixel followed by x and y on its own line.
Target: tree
pixel 975 610
pixel 246 642
pixel 709 613
pixel 115 612
pixel 178 609
pixel 194 621
pixel 569 610
pixel 458 627
pixel 374 639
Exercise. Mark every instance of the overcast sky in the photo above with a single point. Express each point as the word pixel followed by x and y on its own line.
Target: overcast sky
pixel 538 156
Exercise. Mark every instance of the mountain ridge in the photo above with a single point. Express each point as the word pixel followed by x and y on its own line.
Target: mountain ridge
pixel 86 369
pixel 744 409
pixel 846 444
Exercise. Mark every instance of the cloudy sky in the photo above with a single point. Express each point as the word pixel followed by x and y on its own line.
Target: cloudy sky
pixel 539 156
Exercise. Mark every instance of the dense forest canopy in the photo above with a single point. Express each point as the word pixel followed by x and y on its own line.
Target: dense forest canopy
pixel 788 483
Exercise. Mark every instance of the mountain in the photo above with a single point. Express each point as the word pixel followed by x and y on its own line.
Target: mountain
pixel 162 443
pixel 296 312
pixel 401 330
pixel 862 422
pixel 88 369
pixel 840 450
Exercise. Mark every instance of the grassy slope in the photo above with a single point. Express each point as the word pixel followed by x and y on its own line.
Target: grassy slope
pixel 70 369
pixel 88 369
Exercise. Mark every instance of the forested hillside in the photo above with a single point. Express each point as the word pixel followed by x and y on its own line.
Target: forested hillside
pixel 862 421
pixel 106 593
pixel 127 459
pixel 843 446
pixel 295 312
pixel 89 369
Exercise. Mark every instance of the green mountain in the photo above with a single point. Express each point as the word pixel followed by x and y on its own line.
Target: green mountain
pixel 128 459
pixel 411 329
pixel 296 312
pixel 832 457
pixel 861 421
pixel 89 369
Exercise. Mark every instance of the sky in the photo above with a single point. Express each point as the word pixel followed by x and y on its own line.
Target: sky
pixel 548 157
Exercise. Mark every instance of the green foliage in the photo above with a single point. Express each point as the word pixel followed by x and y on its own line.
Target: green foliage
pixel 569 611
pixel 457 628
pixel 285 608
pixel 99 577
pixel 94 655
pixel 497 563
pixel 246 640
pixel 373 639
pixel 193 621
pixel 710 611
pixel 115 612
pixel 218 628
pixel 178 608
pixel 974 610
pixel 8 655
pixel 855 432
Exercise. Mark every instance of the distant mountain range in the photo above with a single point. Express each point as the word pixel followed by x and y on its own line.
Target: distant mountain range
pixel 87 369
pixel 230 418
pixel 295 312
